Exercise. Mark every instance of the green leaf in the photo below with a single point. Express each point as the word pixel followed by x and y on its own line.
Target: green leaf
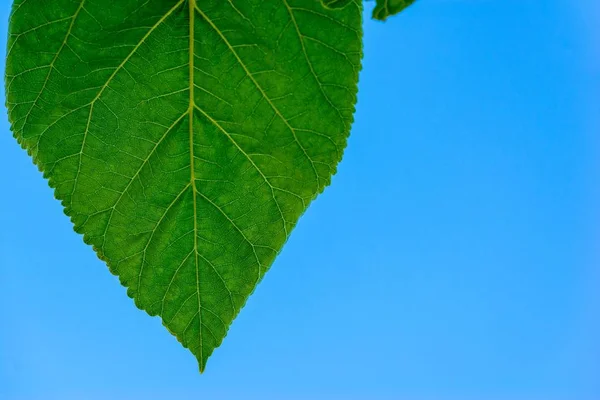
pixel 184 138
pixel 385 8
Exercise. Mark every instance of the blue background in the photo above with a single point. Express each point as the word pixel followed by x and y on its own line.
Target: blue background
pixel 455 256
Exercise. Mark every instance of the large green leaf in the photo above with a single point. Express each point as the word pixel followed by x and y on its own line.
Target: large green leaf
pixel 184 137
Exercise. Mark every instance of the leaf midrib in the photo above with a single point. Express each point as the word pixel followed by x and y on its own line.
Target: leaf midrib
pixel 192 54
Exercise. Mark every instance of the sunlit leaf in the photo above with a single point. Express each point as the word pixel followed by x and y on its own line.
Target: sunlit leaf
pixel 185 138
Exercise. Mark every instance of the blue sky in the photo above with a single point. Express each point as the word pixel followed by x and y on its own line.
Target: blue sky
pixel 455 256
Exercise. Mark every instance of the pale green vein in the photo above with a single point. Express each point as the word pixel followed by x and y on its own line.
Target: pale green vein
pixel 139 170
pixel 261 90
pixel 51 66
pixel 192 54
pixel 237 146
pixel 110 78
pixel 310 65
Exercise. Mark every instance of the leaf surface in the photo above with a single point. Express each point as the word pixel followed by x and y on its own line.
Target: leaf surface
pixel 185 138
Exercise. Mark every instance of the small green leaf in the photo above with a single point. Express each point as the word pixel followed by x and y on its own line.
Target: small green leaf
pixel 185 138
pixel 386 8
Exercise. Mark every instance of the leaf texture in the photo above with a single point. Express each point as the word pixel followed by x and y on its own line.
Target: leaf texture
pixel 185 138
pixel 336 3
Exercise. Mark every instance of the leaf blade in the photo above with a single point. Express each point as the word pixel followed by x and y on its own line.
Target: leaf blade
pixel 184 151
